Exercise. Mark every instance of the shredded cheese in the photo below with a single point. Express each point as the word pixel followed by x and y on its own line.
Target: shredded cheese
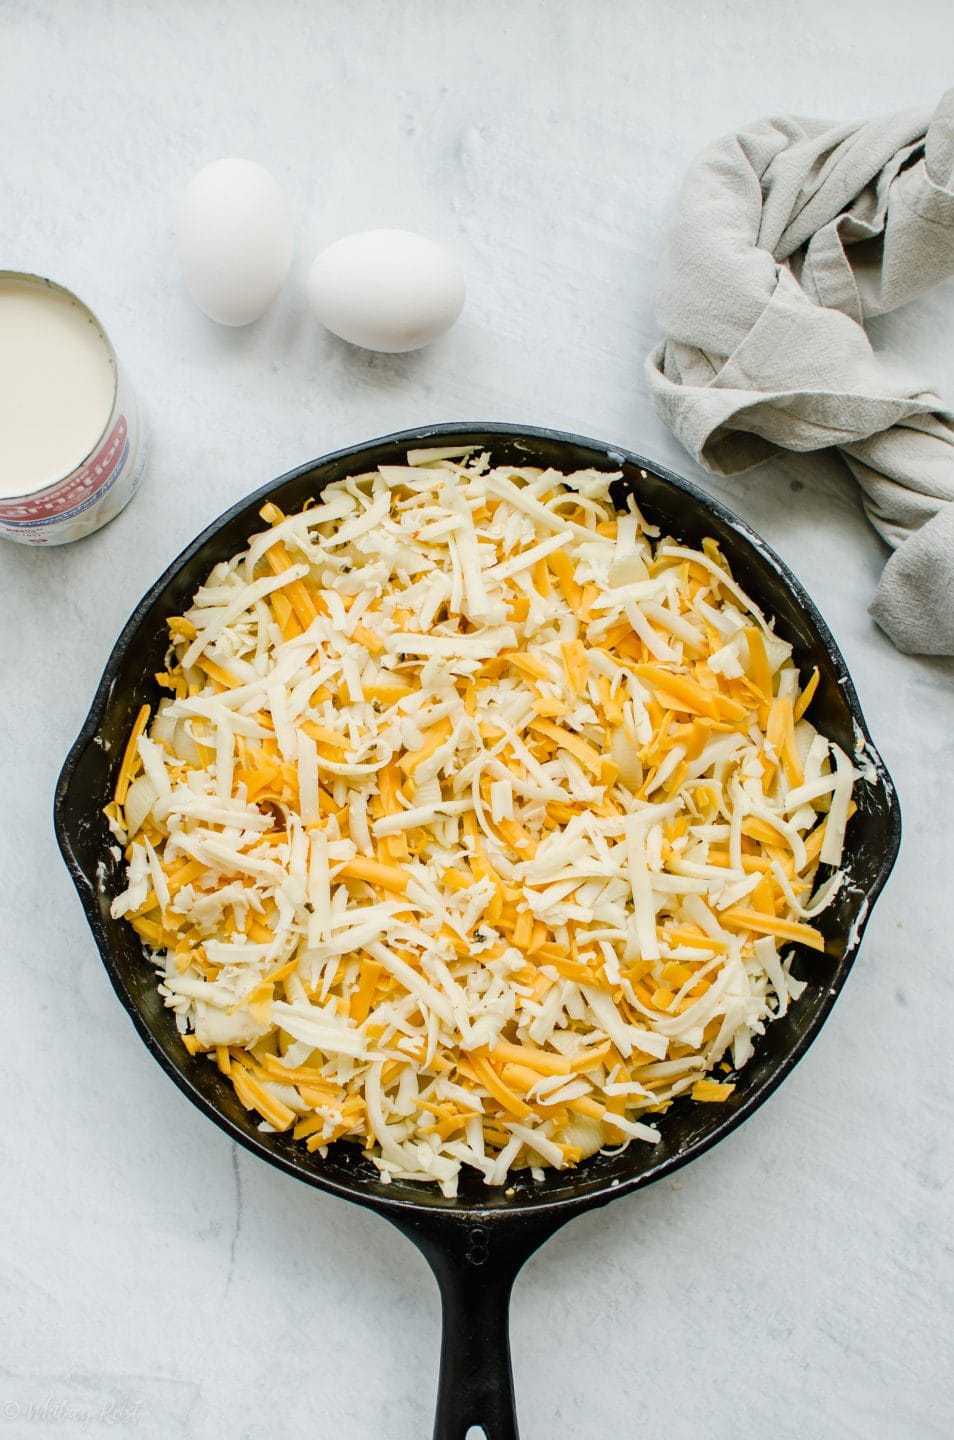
pixel 477 821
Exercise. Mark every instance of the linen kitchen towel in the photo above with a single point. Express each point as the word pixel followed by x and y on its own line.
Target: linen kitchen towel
pixel 787 236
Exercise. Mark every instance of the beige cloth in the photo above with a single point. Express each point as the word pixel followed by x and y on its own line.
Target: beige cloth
pixel 787 236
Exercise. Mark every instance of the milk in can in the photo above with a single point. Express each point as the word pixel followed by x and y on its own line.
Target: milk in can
pixel 72 447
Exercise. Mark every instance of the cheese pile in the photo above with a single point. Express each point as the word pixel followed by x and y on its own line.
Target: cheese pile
pixel 477 820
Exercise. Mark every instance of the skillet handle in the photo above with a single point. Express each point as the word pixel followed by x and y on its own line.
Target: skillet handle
pixel 475 1266
pixel 476 1380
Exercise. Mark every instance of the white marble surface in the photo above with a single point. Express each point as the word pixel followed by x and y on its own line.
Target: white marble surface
pixel 156 1282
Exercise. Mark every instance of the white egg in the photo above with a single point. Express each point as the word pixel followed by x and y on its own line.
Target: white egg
pixel 387 290
pixel 234 240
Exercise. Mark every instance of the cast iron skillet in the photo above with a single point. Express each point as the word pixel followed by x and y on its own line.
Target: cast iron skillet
pixel 477 1243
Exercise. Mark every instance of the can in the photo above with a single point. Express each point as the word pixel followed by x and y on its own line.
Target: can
pixel 91 488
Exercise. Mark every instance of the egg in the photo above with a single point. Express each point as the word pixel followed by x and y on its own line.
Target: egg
pixel 234 240
pixel 389 290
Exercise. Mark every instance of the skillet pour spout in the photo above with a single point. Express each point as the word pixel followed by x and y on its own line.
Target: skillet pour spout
pixel 477 1242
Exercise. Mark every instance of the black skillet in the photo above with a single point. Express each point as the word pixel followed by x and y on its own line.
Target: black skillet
pixel 477 1243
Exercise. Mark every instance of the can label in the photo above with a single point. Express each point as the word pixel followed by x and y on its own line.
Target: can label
pixel 78 491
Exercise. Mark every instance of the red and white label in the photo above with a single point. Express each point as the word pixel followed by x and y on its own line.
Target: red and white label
pixel 76 491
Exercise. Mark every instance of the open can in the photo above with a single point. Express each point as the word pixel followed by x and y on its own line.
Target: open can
pixel 73 447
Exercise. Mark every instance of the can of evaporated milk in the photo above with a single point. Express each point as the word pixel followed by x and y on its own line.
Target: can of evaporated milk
pixel 72 445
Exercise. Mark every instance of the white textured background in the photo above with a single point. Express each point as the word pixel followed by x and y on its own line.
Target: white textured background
pixel 155 1282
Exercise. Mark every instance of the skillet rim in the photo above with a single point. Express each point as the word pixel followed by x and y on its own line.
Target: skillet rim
pixel 550 1211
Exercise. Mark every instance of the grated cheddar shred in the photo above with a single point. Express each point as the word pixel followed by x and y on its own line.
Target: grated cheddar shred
pixel 478 820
